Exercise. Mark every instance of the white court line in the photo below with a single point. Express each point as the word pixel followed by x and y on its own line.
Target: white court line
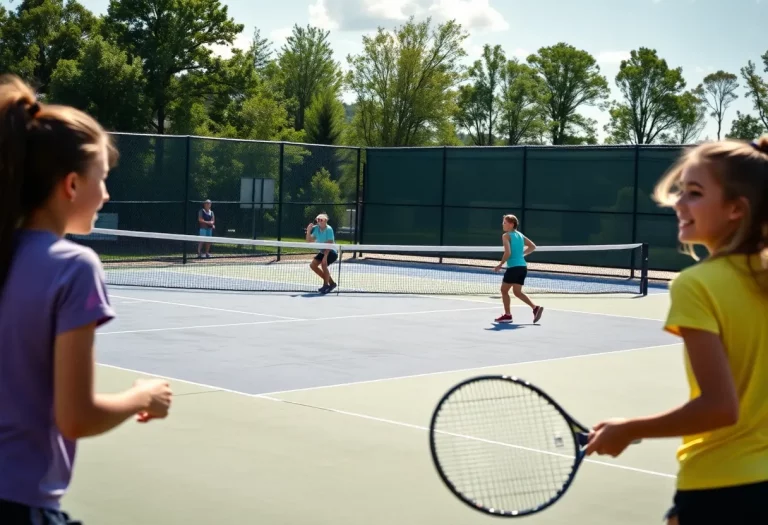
pixel 268 397
pixel 292 320
pixel 444 298
pixel 203 307
pixel 426 429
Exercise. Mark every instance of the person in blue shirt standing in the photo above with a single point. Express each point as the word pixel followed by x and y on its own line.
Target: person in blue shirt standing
pixel 321 231
pixel 516 247
pixel 207 222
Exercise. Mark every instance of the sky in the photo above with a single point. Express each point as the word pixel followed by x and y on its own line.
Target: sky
pixel 701 36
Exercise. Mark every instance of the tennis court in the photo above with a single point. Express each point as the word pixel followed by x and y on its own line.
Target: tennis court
pixel 292 407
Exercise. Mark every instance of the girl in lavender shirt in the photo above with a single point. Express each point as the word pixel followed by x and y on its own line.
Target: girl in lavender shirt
pixel 53 165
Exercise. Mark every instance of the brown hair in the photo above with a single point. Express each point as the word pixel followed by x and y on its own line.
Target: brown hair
pixel 741 169
pixel 512 220
pixel 39 145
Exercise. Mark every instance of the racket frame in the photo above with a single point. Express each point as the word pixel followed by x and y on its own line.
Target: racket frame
pixel 579 432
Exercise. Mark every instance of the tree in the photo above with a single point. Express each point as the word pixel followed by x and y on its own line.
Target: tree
pixel 404 83
pixel 104 83
pixel 523 114
pixel 571 79
pixel 325 119
pixel 260 51
pixel 719 91
pixel 757 88
pixel 746 127
pixel 39 34
pixel 172 38
pixel 478 103
pixel 307 64
pixel 650 107
pixel 690 119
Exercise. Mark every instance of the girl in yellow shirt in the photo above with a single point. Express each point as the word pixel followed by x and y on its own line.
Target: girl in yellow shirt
pixel 719 307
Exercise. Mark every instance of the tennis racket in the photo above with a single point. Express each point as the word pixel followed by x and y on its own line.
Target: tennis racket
pixel 504 447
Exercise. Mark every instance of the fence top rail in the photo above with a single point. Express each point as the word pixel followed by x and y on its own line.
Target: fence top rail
pixel 414 148
pixel 539 146
pixel 225 139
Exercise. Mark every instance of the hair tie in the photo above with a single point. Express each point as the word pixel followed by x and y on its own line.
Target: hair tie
pixel 34 109
pixel 755 145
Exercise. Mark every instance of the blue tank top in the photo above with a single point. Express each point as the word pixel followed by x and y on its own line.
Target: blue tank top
pixel 516 247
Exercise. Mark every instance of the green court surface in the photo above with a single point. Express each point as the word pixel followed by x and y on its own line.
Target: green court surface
pixel 358 453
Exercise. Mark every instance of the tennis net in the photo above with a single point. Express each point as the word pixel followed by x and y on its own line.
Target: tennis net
pixel 150 259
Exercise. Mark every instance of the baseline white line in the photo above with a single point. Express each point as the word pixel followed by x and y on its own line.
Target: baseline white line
pixel 204 307
pixel 291 320
pixel 268 397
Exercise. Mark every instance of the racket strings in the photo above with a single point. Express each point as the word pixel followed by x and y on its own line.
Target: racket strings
pixel 504 447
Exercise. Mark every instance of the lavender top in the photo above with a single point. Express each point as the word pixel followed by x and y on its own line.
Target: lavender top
pixel 54 285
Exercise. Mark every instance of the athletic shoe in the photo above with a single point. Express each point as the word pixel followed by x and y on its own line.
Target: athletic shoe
pixel 506 318
pixel 331 287
pixel 324 289
pixel 537 313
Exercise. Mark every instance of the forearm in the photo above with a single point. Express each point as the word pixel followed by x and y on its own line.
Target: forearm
pixel 504 258
pixel 694 417
pixel 110 410
pixel 528 250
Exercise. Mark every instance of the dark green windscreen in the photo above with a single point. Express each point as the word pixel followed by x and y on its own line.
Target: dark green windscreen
pixel 484 177
pixel 580 179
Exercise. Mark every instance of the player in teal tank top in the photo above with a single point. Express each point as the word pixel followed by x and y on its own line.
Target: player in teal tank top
pixel 516 247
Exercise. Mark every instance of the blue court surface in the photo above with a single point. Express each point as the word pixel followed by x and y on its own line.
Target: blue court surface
pixel 301 408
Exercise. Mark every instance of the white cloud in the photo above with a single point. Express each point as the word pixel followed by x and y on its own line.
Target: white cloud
pixel 364 15
pixel 611 57
pixel 242 41
pixel 278 36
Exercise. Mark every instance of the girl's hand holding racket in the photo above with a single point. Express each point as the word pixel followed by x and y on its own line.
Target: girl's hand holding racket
pixel 160 395
pixel 608 437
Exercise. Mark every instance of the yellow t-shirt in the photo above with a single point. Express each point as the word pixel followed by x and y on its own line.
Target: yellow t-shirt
pixel 722 297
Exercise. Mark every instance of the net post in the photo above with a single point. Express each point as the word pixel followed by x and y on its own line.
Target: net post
pixel 442 201
pixel 338 274
pixel 361 217
pixel 184 221
pixel 280 198
pixel 636 176
pixel 644 269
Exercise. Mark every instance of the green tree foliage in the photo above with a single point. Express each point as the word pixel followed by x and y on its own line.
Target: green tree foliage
pixel 260 51
pixel 326 191
pixel 478 102
pixel 103 82
pixel 307 65
pixel 650 91
pixel 757 88
pixel 172 37
pixel 746 127
pixel 719 91
pixel 325 119
pixel 38 34
pixel 571 79
pixel 691 117
pixel 523 113
pixel 404 83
